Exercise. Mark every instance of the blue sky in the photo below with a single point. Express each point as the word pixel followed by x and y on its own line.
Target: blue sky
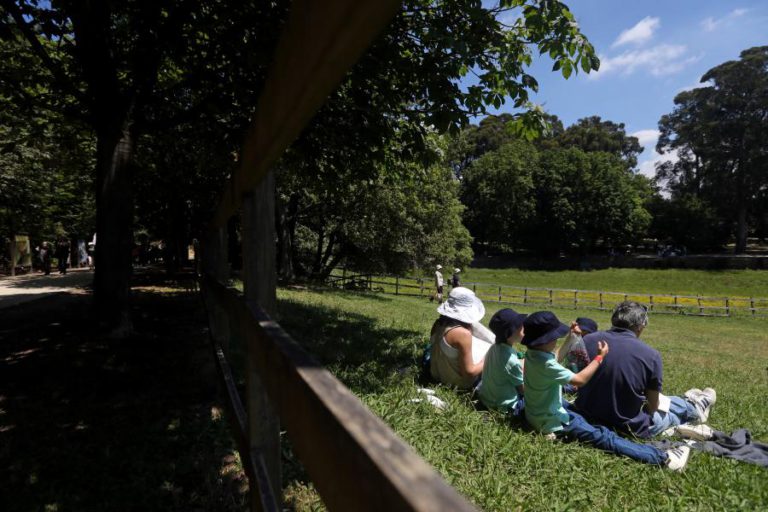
pixel 650 51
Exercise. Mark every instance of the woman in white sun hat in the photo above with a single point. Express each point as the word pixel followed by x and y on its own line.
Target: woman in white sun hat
pixel 452 361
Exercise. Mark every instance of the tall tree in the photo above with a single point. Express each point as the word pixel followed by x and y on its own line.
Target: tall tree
pixel 114 61
pixel 497 190
pixel 719 133
pixel 594 134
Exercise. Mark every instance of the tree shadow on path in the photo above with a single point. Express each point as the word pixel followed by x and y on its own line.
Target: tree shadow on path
pixel 89 424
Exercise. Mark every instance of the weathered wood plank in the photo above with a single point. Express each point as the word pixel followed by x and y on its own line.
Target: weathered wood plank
pixel 259 280
pixel 353 458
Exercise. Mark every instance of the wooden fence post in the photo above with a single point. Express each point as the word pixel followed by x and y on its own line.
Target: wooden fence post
pixel 499 293
pixel 575 299
pixel 752 305
pixel 550 296
pixel 421 289
pixel 698 300
pixel 650 300
pixel 260 281
pixel 525 295
pixel 216 263
pixel 601 301
pixel 397 285
pixel 727 306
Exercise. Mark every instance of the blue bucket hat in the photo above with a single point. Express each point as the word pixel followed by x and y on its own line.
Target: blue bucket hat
pixel 504 322
pixel 587 325
pixel 542 327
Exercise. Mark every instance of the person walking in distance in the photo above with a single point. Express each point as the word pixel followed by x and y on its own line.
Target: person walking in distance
pixel 439 284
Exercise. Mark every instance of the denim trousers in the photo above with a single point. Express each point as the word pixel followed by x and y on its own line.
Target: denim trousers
pixel 680 411
pixel 602 438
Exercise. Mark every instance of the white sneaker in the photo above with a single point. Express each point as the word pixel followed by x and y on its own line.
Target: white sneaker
pixel 699 432
pixel 677 458
pixel 669 432
pixel 550 437
pixel 702 400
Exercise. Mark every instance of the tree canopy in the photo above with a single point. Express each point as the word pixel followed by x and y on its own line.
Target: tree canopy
pixel 718 133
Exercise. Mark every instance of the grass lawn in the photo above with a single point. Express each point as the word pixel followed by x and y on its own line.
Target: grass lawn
pixel 734 283
pixel 372 341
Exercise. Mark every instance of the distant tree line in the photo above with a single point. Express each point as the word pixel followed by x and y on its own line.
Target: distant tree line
pixel 576 190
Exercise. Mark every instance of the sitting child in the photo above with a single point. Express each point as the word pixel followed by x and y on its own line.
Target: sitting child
pixel 546 411
pixel 501 387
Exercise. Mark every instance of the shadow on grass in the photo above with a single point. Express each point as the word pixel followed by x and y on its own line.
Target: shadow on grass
pixel 91 424
pixel 362 354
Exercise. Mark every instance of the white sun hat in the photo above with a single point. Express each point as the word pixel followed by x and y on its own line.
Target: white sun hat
pixel 456 270
pixel 462 305
pixel 439 267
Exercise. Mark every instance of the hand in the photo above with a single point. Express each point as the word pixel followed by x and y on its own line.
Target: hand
pixel 602 348
pixel 575 328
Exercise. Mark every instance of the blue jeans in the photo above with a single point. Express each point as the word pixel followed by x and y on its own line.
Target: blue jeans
pixel 680 411
pixel 578 429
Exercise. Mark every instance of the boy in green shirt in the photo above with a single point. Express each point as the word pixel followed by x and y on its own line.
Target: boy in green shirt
pixel 502 383
pixel 546 411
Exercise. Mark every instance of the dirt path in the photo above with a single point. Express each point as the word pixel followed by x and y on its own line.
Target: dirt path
pixel 90 424
pixel 20 289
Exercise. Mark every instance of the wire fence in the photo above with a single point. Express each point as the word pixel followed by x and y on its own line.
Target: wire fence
pixel 694 305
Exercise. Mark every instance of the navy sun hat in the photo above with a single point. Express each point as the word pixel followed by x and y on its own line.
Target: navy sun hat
pixel 587 325
pixel 505 322
pixel 542 327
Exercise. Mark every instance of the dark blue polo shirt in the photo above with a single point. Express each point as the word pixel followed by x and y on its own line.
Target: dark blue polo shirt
pixel 615 395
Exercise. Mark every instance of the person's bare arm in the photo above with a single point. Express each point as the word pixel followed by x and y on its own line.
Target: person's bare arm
pixel 584 375
pixel 461 339
pixel 652 401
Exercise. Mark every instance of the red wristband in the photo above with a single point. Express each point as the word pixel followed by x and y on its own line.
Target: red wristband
pixel 598 358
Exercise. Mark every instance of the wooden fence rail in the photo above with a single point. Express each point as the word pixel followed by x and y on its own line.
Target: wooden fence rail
pixel 562 297
pixel 353 458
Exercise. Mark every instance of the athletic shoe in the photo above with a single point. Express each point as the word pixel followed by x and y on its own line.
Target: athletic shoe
pixel 703 401
pixel 698 432
pixel 677 458
pixel 550 437
pixel 671 431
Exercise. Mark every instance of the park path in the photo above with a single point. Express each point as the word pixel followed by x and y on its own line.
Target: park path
pixel 20 289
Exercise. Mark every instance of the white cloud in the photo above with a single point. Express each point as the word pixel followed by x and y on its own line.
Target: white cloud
pixel 648 167
pixel 646 137
pixel 711 24
pixel 640 33
pixel 660 60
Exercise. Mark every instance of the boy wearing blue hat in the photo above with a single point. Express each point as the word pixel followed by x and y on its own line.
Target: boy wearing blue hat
pixel 546 411
pixel 501 387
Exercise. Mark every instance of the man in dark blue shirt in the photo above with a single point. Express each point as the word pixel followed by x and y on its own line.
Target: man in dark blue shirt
pixel 626 393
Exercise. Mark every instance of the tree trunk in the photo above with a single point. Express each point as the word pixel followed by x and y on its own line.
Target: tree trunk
pixel 742 229
pixel 114 227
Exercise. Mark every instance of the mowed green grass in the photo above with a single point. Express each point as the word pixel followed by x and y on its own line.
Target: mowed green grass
pixel 733 283
pixel 372 342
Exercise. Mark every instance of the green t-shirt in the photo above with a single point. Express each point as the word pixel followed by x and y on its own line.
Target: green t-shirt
pixel 502 373
pixel 544 378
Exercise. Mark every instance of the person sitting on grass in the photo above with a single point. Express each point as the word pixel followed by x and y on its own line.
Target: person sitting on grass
pixel 548 413
pixel 451 339
pixel 626 394
pixel 501 387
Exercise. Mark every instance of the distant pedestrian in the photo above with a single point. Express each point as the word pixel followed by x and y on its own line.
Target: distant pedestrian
pixel 45 257
pixel 439 284
pixel 62 254
pixel 455 278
